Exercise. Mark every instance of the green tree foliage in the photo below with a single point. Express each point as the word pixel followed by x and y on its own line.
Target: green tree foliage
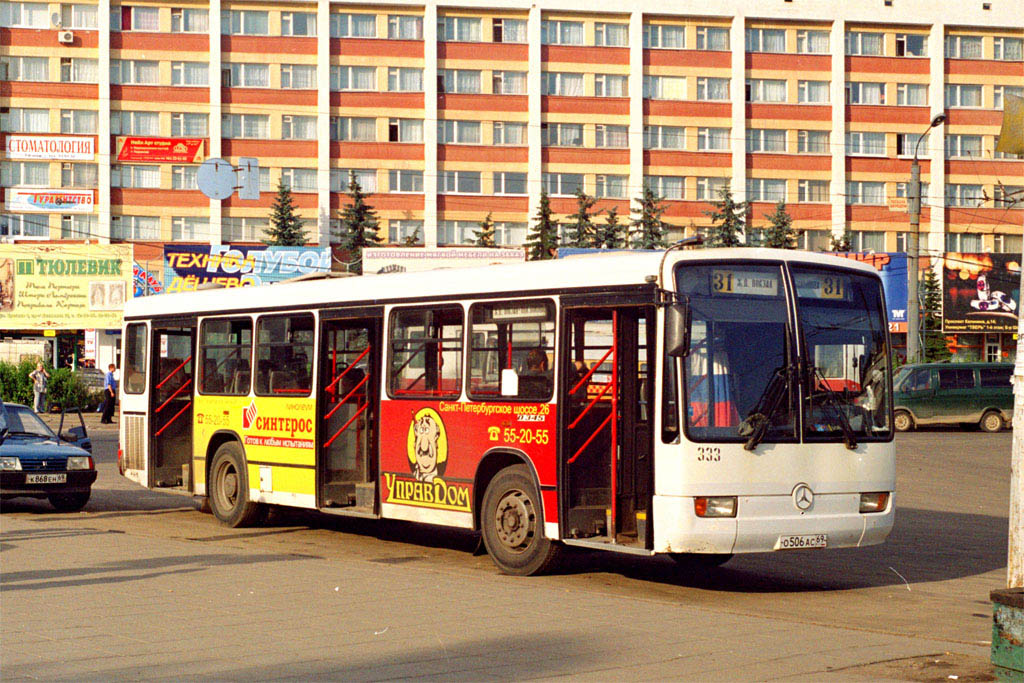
pixel 484 237
pixel 542 242
pixel 611 234
pixel 412 239
pixel 780 233
pixel 285 225
pixel 647 229
pixel 842 243
pixel 359 225
pixel 579 228
pixel 933 342
pixel 64 388
pixel 728 221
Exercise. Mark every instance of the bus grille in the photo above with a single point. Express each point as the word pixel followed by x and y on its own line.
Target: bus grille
pixel 135 442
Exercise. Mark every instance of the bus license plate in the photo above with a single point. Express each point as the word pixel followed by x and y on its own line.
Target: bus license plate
pixel 61 478
pixel 792 542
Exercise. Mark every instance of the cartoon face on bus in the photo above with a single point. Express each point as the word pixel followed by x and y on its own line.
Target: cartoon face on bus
pixel 427 445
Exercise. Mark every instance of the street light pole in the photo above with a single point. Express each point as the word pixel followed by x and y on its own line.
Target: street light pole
pixel 914 208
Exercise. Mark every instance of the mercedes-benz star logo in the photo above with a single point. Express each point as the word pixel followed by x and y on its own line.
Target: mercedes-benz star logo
pixel 803 497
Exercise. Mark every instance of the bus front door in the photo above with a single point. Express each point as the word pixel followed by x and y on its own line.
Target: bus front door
pixel 606 448
pixel 348 410
pixel 171 390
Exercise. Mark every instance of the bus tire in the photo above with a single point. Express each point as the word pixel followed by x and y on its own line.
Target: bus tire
pixel 512 525
pixel 902 421
pixel 229 488
pixel 991 422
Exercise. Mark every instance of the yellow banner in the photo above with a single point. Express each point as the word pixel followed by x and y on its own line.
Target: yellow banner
pixel 65 286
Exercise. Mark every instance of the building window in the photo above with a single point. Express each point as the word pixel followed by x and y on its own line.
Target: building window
pixel 243 229
pixel 509 133
pixel 959 95
pixel 863 43
pixel 1000 91
pixel 135 176
pixel 508 83
pixel 612 186
pixel 13 68
pixel 25 225
pixel 184 177
pixel 298 24
pixel 458 182
pixel 366 178
pixel 400 79
pixel 911 95
pixel 459 29
pixel 611 35
pixel 509 30
pixel 562 83
pixel 79 17
pixel 461 81
pixel 562 184
pixel 865 144
pixel 858 92
pixel 299 179
pixel 353 25
pixel 405 27
pixel 812 142
pixel 964 195
pixel 401 180
pixel 813 191
pixel 506 182
pixel 190 228
pixel 405 232
pixel 298 76
pixel 25 173
pixel 964 47
pixel 135 227
pixel 403 130
pixel 963 242
pixel 247 22
pixel 247 75
pixel 78 175
pixel 1007 244
pixel 766 190
pixel 252 126
pixel 712 89
pixel 561 134
pixel 1008 49
pixel 766 90
pixel 712 38
pixel 189 20
pixel 554 32
pixel 664 137
pixel 867 240
pixel 190 73
pixel 812 92
pixel 362 78
pixel 664 36
pixel 901 191
pixel 710 189
pixel 963 147
pixel 189 124
pixel 906 143
pixel 134 123
pixel 766 40
pixel 24 120
pixel 458 132
pixel 122 71
pixel 510 234
pixel 766 140
pixel 24 15
pixel 666 186
pixel 1008 196
pixel 863 192
pixel 295 127
pixel 911 45
pixel 77 226
pixel 133 18
pixel 664 87
pixel 82 121
pixel 713 139
pixel 611 137
pixel 813 42
pixel 611 85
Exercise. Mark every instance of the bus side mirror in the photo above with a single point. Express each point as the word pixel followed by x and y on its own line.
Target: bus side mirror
pixel 677 330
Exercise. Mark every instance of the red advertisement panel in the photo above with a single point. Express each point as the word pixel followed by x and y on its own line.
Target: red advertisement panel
pixel 180 150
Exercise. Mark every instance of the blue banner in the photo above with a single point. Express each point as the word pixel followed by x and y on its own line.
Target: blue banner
pixel 188 266
pixel 892 268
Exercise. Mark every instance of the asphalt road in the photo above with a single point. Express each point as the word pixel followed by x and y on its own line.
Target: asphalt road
pixel 914 608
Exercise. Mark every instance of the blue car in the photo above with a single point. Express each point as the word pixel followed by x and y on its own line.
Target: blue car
pixel 35 463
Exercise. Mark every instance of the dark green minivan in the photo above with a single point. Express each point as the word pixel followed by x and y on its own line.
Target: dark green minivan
pixel 967 394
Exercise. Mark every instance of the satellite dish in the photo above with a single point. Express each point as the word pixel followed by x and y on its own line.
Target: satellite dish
pixel 55 20
pixel 216 178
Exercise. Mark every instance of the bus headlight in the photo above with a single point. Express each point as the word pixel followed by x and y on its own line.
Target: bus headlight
pixel 715 506
pixel 79 462
pixel 874 502
pixel 9 462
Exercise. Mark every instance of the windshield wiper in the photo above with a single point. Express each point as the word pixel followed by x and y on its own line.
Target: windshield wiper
pixel 755 426
pixel 18 433
pixel 844 423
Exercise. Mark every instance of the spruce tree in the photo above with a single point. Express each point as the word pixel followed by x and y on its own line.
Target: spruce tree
pixel 359 225
pixel 841 243
pixel 728 221
pixel 933 343
pixel 611 234
pixel 484 237
pixel 647 228
pixel 780 233
pixel 285 225
pixel 542 242
pixel 579 228
pixel 412 239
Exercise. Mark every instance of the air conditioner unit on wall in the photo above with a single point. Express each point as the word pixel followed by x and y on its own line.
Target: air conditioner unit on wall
pixel 65 37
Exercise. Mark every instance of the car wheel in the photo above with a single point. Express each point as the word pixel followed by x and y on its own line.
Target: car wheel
pixel 902 421
pixel 229 488
pixel 69 502
pixel 512 524
pixel 991 422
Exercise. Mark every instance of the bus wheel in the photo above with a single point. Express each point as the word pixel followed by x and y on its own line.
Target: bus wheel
pixel 512 524
pixel 991 422
pixel 229 488
pixel 902 421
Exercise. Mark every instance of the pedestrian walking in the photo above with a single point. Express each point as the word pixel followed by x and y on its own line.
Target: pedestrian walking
pixel 39 378
pixel 109 395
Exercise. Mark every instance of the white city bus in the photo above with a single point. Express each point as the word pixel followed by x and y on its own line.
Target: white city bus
pixel 697 403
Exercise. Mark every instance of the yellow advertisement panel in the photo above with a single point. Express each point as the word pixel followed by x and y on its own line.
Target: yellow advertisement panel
pixel 65 286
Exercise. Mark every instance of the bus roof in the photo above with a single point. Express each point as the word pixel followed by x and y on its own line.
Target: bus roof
pixel 613 269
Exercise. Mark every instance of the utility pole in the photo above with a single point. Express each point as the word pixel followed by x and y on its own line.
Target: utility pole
pixel 913 253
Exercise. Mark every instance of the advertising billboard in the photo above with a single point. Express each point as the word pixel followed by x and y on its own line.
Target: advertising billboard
pixel 188 266
pixel 49 200
pixel 63 287
pixel 414 259
pixel 980 292
pixel 173 150
pixel 892 268
pixel 58 147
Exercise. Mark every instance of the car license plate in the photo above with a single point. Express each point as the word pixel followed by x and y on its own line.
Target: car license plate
pixel 811 541
pixel 61 478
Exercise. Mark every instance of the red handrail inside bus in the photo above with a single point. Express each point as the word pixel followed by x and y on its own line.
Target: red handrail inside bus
pixel 171 421
pixel 583 380
pixel 176 392
pixel 345 371
pixel 359 412
pixel 174 372
pixel 340 403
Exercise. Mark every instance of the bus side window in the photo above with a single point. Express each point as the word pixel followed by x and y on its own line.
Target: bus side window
pixel 135 359
pixel 284 349
pixel 425 349
pixel 512 337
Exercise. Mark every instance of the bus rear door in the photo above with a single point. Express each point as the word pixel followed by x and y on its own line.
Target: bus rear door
pixel 170 392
